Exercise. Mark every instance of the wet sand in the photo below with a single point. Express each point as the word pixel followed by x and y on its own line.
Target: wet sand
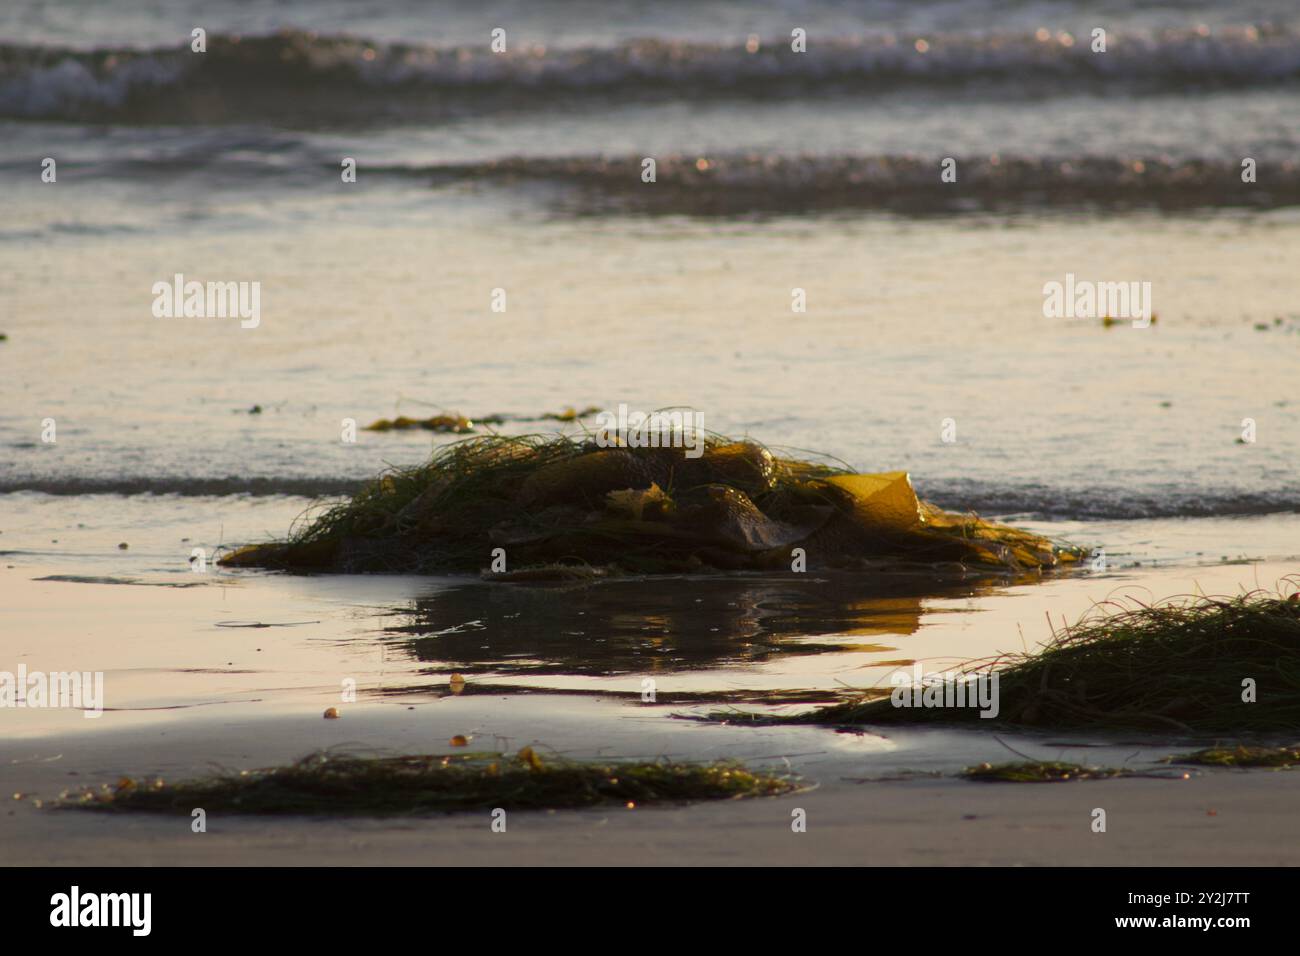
pixel 186 693
pixel 1215 818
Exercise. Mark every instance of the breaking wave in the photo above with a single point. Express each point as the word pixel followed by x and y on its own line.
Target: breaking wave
pixel 302 75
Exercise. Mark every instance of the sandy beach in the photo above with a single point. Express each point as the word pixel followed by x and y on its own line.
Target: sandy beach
pixel 243 698
pixel 1216 819
pixel 981 320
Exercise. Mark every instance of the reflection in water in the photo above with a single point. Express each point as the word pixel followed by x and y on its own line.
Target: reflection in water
pixel 640 626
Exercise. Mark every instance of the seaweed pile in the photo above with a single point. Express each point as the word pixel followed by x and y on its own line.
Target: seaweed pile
pixel 561 502
pixel 1204 665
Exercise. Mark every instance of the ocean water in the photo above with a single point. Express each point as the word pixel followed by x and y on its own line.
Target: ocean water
pixel 777 171
pixel 521 171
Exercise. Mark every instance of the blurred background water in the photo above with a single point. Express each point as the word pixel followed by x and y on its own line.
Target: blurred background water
pixel 777 170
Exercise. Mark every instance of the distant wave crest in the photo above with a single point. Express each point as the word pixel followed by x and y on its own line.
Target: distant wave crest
pixel 255 75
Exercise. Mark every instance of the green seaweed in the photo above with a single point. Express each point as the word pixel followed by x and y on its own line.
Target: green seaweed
pixel 1243 755
pixel 454 423
pixel 350 785
pixel 1179 666
pixel 1039 771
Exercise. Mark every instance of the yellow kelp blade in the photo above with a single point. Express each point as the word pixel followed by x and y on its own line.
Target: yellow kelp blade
pixel 1024 547
pixel 885 500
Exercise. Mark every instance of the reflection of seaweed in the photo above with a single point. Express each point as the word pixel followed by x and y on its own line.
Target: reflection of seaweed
pixel 567 501
pixel 637 626
pixel 777 697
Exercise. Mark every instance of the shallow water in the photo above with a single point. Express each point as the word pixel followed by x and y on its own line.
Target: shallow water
pixel 909 324
pixel 178 644
pixel 519 173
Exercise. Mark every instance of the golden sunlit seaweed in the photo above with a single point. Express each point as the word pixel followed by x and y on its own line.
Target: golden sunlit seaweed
pixel 554 501
pixel 447 424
